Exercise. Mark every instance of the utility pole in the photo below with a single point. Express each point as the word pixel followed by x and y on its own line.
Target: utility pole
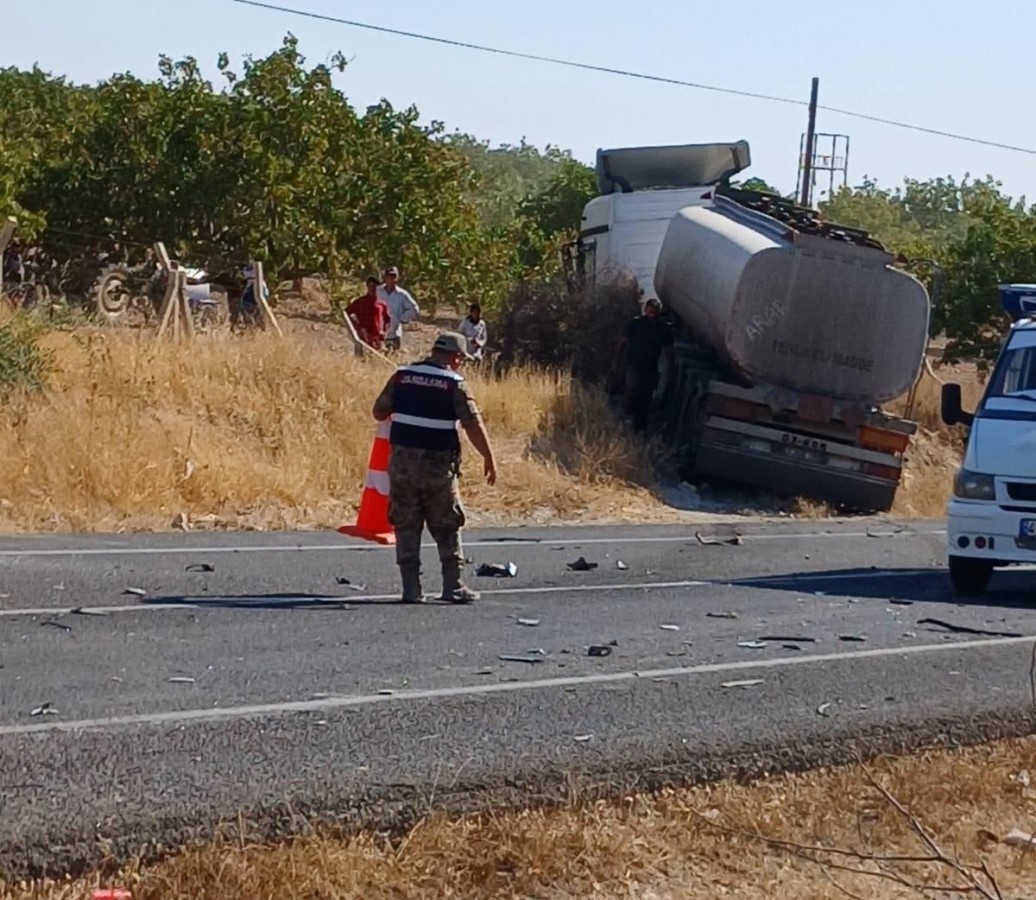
pixel 811 132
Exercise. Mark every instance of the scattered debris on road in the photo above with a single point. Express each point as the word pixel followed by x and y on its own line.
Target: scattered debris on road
pixel 531 660
pixel 749 682
pixel 964 629
pixel 822 710
pixel 752 645
pixel 598 650
pixel 712 540
pixel 345 582
pixel 529 623
pixel 84 611
pixel 181 679
pixel 581 565
pixel 201 567
pixel 52 624
pixel 669 627
pixel 875 533
pixel 852 638
pixel 497 570
pixel 386 692
pixel 784 639
pixel 726 614
pixel 583 738
pixel 621 566
pixel 135 591
pixel 44 709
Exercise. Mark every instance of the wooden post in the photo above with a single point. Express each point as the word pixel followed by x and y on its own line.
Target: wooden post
pixel 260 298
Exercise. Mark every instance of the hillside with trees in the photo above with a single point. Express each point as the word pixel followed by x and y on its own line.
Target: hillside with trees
pixel 273 162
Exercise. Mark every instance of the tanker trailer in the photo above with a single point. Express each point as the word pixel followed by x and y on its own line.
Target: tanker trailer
pixel 791 331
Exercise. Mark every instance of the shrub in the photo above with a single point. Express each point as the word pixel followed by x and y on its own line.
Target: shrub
pixel 24 364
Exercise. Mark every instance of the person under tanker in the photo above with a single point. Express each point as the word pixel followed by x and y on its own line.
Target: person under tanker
pixel 425 402
pixel 645 340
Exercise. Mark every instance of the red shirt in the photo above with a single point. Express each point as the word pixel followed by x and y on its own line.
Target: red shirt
pixel 373 316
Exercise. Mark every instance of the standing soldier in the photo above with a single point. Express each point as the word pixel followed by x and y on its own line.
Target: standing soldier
pixel 426 401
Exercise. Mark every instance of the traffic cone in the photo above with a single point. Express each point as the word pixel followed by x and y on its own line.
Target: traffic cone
pixel 372 522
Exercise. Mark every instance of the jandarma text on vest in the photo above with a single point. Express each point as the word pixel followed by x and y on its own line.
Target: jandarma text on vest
pixel 425 381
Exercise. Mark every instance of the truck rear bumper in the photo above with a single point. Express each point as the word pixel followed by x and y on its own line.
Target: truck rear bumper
pixel 982 530
pixel 794 476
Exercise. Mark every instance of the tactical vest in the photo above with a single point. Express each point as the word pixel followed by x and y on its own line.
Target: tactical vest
pixel 423 411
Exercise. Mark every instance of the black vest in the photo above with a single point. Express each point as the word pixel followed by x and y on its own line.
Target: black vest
pixel 423 411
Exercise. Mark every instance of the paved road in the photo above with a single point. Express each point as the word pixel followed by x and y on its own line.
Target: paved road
pixel 178 680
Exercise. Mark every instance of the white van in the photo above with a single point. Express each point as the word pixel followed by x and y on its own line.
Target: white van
pixel 992 514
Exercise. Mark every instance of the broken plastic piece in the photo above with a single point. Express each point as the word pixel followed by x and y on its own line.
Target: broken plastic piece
pixel 669 627
pixel 532 660
pixel 581 565
pixel 727 614
pixel 201 567
pixel 598 650
pixel 711 540
pixel 752 645
pixel 497 570
pixel 583 738
pixel 137 592
pixel 822 710
pixel 44 709
pixel 531 623
pixel 855 638
pixel 181 679
pixel 750 682
pixel 621 566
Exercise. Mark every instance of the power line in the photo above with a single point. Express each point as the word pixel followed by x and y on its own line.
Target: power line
pixel 643 76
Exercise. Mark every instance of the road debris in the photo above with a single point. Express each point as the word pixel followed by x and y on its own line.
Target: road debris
pixel 345 582
pixel 52 624
pixel 676 652
pixel 531 660
pixel 711 540
pixel 598 650
pixel 44 709
pixel 621 566
pixel 201 567
pixel 822 710
pixel 852 638
pixel 894 602
pixel 486 671
pixel 581 565
pixel 727 614
pixel 749 682
pixel 530 623
pixel 84 611
pixel 669 627
pixel 181 679
pixel 964 629
pixel 583 738
pixel 784 639
pixel 497 570
pixel 752 645
pixel 135 591
pixel 875 533
pixel 386 692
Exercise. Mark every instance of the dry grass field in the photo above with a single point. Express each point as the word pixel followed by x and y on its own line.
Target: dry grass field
pixel 256 432
pixel 822 835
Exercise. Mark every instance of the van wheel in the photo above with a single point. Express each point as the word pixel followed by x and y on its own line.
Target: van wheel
pixel 970 576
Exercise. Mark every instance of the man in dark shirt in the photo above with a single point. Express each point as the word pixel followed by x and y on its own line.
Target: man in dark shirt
pixel 645 340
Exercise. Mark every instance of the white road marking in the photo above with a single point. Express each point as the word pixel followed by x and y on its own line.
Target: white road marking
pixel 215 601
pixel 324 704
pixel 516 542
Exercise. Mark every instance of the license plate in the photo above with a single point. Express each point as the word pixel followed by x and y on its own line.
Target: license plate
pixel 1027 529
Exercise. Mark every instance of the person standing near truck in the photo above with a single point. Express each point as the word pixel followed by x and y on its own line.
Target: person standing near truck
pixel 645 340
pixel 401 306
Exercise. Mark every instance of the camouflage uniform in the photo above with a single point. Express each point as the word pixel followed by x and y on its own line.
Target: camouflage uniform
pixel 424 491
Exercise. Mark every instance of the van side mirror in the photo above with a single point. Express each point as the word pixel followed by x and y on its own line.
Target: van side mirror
pixel 952 412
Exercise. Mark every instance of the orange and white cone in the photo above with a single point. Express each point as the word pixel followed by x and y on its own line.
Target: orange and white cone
pixel 372 522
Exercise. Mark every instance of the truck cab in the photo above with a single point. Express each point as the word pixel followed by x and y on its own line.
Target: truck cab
pixel 992 512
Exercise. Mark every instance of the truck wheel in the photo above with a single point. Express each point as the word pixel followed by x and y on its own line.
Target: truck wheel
pixel 970 577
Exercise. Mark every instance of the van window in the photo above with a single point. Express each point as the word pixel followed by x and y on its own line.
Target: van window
pixel 1015 374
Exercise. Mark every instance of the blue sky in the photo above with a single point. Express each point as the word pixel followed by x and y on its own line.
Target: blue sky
pixel 951 65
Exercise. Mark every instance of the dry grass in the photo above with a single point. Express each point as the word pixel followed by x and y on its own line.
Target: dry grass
pixel 266 433
pixel 261 433
pixel 697 843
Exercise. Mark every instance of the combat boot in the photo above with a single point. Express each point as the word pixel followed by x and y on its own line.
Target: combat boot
pixel 412 591
pixel 453 589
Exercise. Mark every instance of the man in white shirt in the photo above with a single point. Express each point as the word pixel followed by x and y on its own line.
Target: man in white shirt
pixel 401 306
pixel 473 327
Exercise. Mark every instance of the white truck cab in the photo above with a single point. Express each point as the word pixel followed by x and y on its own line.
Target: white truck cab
pixel 992 513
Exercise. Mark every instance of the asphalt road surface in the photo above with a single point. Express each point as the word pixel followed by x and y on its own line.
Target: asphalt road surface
pixel 154 686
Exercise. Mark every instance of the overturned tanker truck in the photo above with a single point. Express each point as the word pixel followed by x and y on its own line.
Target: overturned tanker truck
pixel 791 331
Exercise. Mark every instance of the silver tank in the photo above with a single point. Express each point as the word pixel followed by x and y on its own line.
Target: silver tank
pixel 803 312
